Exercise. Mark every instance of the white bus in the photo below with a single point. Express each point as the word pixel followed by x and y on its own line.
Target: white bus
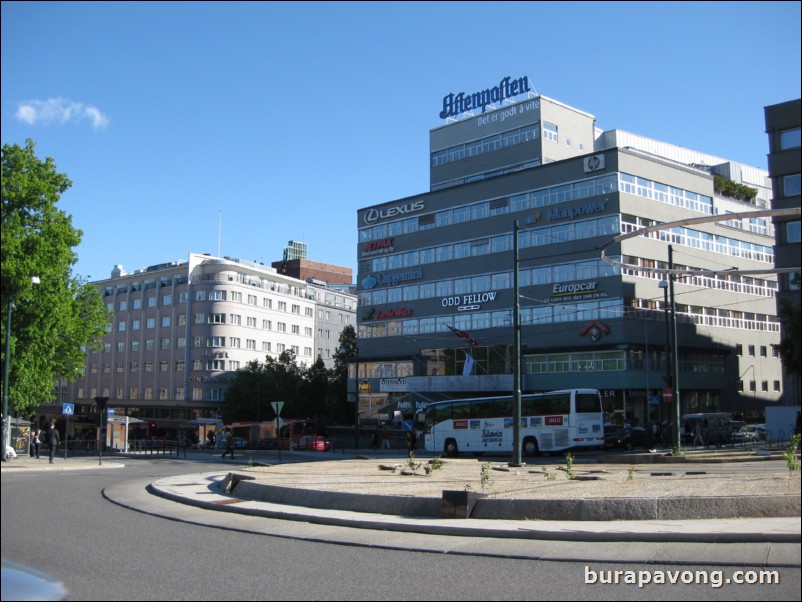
pixel 550 422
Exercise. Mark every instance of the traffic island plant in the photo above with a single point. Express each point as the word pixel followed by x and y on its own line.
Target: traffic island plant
pixel 631 475
pixel 790 453
pixel 486 479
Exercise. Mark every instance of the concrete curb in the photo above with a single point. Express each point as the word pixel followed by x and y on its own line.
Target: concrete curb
pixel 208 492
pixel 596 509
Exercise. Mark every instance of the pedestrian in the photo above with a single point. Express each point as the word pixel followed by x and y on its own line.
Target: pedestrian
pixel 385 439
pixel 53 439
pixel 374 440
pixel 229 445
pixel 697 430
pixel 36 441
pixel 656 434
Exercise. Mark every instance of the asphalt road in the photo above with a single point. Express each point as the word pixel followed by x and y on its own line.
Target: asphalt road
pixel 60 522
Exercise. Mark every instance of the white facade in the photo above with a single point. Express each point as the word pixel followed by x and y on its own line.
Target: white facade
pixel 179 331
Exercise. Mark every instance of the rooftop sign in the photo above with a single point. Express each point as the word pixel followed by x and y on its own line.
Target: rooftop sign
pixel 453 105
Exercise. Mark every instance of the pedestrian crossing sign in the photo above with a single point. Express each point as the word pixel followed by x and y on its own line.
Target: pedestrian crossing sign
pixel 68 409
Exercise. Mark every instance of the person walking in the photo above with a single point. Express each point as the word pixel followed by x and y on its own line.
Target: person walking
pixel 229 445
pixel 53 439
pixel 36 441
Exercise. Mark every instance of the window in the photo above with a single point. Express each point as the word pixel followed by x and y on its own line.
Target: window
pixel 235 342
pixel 791 185
pixel 164 366
pixel 166 321
pixel 550 131
pixel 789 139
pixel 217 295
pixel 236 319
pixel 751 350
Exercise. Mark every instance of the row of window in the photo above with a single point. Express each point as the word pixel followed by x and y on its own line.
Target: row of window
pixel 764 386
pixel 198 393
pixel 542 197
pixel 214 295
pixel 534 237
pixel 488 144
pixel 746 285
pixel 537 315
pixel 697 239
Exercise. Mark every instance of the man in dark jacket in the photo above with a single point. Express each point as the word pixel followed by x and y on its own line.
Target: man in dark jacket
pixel 53 439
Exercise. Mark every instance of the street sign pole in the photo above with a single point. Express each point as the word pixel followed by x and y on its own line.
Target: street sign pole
pixel 277 406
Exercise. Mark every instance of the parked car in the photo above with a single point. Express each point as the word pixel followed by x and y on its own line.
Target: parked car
pixel 314 443
pixel 618 437
pixel 751 433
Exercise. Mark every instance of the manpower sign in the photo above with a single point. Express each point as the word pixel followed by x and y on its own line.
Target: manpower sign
pixel 454 104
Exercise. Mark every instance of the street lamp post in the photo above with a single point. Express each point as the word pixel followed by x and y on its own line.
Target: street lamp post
pixel 101 431
pixel 672 369
pixel 6 366
pixel 516 357
pixel 667 353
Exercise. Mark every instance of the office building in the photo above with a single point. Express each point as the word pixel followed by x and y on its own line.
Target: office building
pixel 436 271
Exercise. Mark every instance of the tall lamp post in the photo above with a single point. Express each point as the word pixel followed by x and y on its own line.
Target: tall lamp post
pixel 346 355
pixel 516 357
pixel 6 365
pixel 667 353
pixel 672 362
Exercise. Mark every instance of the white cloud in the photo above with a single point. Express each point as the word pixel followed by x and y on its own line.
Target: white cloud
pixel 58 111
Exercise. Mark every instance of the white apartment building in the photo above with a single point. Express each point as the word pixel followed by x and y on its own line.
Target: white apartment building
pixel 180 330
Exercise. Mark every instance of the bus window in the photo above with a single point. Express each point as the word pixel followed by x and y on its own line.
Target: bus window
pixel 587 402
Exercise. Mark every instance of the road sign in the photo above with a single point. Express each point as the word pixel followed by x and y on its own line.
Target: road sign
pixel 278 422
pixel 110 411
pixel 668 395
pixel 277 405
pixel 68 409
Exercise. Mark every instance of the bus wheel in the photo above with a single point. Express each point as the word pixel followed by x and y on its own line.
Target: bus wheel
pixel 530 447
pixel 451 449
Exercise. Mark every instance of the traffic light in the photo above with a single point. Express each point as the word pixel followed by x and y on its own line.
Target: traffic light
pixel 153 425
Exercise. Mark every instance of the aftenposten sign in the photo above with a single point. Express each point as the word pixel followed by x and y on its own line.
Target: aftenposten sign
pixel 454 104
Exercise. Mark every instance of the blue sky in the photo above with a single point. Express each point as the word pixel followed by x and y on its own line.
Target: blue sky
pixel 188 127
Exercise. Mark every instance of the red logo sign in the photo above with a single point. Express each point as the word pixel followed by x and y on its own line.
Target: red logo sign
pixel 553 420
pixel 460 424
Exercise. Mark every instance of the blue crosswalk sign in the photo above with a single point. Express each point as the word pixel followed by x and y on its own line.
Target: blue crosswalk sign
pixel 68 409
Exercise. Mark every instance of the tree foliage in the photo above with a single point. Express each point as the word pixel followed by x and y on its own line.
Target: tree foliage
pixel 314 392
pixel 792 333
pixel 54 321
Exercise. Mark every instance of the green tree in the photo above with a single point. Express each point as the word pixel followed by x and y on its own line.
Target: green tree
pixel 55 321
pixel 790 344
pixel 349 353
